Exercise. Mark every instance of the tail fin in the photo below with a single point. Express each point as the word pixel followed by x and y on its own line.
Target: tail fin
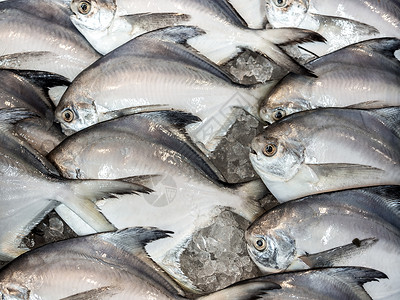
pixel 247 290
pixel 81 195
pixel 272 38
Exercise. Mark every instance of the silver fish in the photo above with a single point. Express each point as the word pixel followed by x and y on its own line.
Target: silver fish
pixel 111 265
pixel 366 74
pixel 346 228
pixel 107 24
pixel 31 188
pixel 341 22
pixel 328 149
pixel 326 283
pixel 153 70
pixel 38 35
pixel 187 191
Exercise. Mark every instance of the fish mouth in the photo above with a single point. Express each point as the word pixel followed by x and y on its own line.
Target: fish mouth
pixel 252 151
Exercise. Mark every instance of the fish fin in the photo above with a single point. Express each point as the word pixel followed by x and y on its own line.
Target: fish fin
pixel 152 21
pixel 43 79
pixel 390 116
pixel 332 257
pixel 133 110
pixel 11 116
pixel 244 290
pixel 252 192
pixel 134 239
pixel 283 36
pixel 359 27
pixel 339 173
pixel 384 46
pixel 366 105
pixel 176 34
pixel 85 192
pixel 355 277
pixel 104 292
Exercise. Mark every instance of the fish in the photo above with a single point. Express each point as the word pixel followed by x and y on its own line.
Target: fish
pixel 189 190
pixel 112 265
pixel 362 75
pixel 31 187
pixel 154 70
pixel 30 89
pixel 340 22
pixel 327 283
pixel 108 24
pixel 38 35
pixel 328 149
pixel 344 228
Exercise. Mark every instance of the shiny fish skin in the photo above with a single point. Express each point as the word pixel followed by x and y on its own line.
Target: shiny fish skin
pixel 147 144
pixel 109 24
pixel 328 149
pixel 31 188
pixel 321 222
pixel 150 71
pixel 365 74
pixel 111 265
pixel 341 22
pixel 42 32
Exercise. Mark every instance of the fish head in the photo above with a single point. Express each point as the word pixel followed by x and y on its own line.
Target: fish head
pixel 286 13
pixel 95 15
pixel 76 115
pixel 284 100
pixel 269 244
pixel 277 154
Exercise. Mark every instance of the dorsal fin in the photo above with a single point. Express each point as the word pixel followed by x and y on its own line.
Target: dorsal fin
pixel 390 116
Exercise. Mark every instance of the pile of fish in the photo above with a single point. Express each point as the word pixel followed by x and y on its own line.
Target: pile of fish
pixel 202 149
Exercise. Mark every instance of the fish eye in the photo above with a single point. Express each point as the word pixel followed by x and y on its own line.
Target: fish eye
pixel 68 115
pixel 280 3
pixel 84 7
pixel 278 114
pixel 260 244
pixel 270 150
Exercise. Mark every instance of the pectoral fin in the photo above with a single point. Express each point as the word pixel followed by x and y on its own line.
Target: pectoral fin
pixel 334 256
pixel 339 175
pixel 338 22
pixel 95 294
pixel 152 21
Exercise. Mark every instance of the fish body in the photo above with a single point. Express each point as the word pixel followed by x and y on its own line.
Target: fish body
pixel 31 188
pixel 341 22
pixel 365 75
pixel 328 149
pixel 284 237
pixel 150 71
pixel 326 283
pixel 188 191
pixel 109 24
pixel 38 35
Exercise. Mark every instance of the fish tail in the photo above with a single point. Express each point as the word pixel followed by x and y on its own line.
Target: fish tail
pixel 244 290
pixel 272 39
pixel 81 196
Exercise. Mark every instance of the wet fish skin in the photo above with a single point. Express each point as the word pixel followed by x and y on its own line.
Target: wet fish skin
pixel 31 188
pixel 295 158
pixel 113 24
pixel 111 265
pixel 187 189
pixel 127 78
pixel 341 22
pixel 281 238
pixel 41 29
pixel 327 283
pixel 364 75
